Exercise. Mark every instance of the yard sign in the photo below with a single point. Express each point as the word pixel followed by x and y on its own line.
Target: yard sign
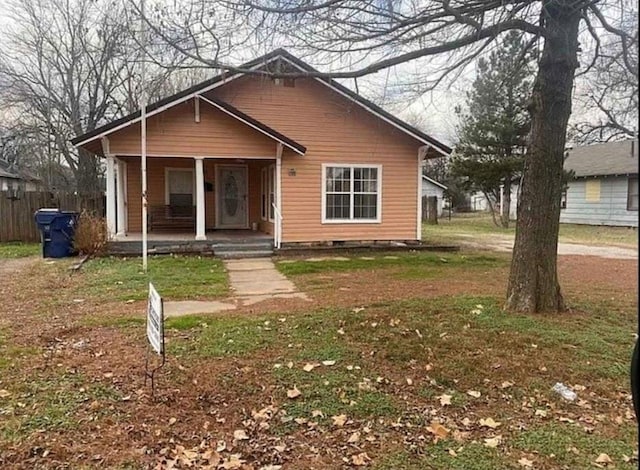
pixel 155 321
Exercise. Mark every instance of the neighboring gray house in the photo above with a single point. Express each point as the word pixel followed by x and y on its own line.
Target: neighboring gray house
pixel 605 188
pixel 431 187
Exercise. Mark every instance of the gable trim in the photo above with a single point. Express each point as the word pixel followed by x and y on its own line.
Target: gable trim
pixel 432 181
pixel 254 124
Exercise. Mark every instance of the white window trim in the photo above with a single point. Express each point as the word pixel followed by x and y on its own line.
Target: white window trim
pixel 377 220
pixel 167 170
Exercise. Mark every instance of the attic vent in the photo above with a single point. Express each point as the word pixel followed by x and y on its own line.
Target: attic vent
pixel 287 82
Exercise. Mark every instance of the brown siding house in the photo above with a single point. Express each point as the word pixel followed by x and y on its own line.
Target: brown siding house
pixel 304 159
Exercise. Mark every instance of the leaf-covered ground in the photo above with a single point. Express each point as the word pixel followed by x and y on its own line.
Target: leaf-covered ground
pixel 400 362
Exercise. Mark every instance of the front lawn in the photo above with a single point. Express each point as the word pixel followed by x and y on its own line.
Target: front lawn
pixel 174 277
pixel 391 379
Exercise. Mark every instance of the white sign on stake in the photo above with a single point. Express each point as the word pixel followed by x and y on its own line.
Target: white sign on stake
pixel 155 321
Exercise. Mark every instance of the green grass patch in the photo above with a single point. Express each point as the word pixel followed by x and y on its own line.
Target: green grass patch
pixel 472 456
pixel 50 403
pixel 334 390
pixel 174 277
pixel 222 337
pixel 19 249
pixel 414 264
pixel 558 443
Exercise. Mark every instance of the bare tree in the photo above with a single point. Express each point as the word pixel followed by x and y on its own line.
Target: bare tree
pixel 68 66
pixel 609 92
pixel 366 36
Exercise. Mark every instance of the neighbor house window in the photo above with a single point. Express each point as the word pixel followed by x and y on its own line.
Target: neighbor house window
pixel 268 192
pixel 632 194
pixel 592 191
pixel 351 193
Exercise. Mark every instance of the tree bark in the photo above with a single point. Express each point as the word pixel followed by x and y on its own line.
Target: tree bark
pixel 87 173
pixel 533 279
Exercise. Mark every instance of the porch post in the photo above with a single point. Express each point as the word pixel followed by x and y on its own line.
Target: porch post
pixel 111 189
pixel 200 199
pixel 278 227
pixel 121 199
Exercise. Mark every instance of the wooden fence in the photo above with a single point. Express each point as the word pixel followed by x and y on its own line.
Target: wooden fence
pixel 430 209
pixel 17 221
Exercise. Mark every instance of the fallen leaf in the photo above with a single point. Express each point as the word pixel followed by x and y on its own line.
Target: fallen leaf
pixel 409 381
pixel 4 393
pixel 474 393
pixel 525 462
pixel 438 430
pixel 309 367
pixel 293 393
pixel 603 458
pixel 360 460
pixel 317 413
pixel 232 462
pixel 172 421
pixel 489 423
pixel 542 413
pixel 355 437
pixel 493 441
pixel 444 400
pixel 506 384
pixel 240 435
pixel 339 420
pixel 328 363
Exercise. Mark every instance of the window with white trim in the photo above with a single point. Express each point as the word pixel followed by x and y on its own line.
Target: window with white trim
pixel 351 193
pixel 268 192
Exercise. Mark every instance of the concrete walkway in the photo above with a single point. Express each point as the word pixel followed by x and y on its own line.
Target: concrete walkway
pixel 257 279
pixel 251 281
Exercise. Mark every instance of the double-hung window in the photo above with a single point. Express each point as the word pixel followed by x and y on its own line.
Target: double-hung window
pixel 351 193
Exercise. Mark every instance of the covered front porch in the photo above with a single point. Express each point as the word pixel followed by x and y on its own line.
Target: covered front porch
pixel 199 195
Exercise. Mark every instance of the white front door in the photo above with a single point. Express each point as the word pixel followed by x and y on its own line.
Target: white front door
pixel 231 196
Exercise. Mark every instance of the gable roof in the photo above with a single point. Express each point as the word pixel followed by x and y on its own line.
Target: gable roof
pixel 611 158
pixel 9 170
pixel 432 181
pixel 256 64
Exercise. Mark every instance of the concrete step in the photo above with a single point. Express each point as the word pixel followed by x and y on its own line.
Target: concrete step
pixel 243 254
pixel 256 246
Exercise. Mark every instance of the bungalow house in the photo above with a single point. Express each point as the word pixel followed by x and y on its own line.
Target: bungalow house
pixel 301 158
pixel 605 188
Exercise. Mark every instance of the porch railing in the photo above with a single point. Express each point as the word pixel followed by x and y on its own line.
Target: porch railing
pixel 277 230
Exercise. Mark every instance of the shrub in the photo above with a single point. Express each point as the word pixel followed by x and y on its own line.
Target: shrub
pixel 91 235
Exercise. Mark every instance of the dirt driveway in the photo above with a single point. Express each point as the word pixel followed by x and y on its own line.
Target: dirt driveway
pixel 504 243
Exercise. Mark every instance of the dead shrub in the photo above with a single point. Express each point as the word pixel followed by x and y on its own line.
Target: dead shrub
pixel 91 235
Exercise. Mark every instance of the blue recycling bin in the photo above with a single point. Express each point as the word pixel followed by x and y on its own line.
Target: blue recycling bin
pixel 57 229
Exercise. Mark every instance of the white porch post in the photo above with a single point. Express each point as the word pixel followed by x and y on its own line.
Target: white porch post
pixel 111 188
pixel 200 199
pixel 278 227
pixel 121 199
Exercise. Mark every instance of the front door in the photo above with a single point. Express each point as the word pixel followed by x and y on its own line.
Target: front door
pixel 231 194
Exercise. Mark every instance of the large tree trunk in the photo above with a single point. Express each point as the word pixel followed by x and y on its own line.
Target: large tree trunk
pixel 533 280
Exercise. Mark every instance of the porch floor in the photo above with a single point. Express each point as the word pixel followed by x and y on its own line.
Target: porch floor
pixel 214 236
